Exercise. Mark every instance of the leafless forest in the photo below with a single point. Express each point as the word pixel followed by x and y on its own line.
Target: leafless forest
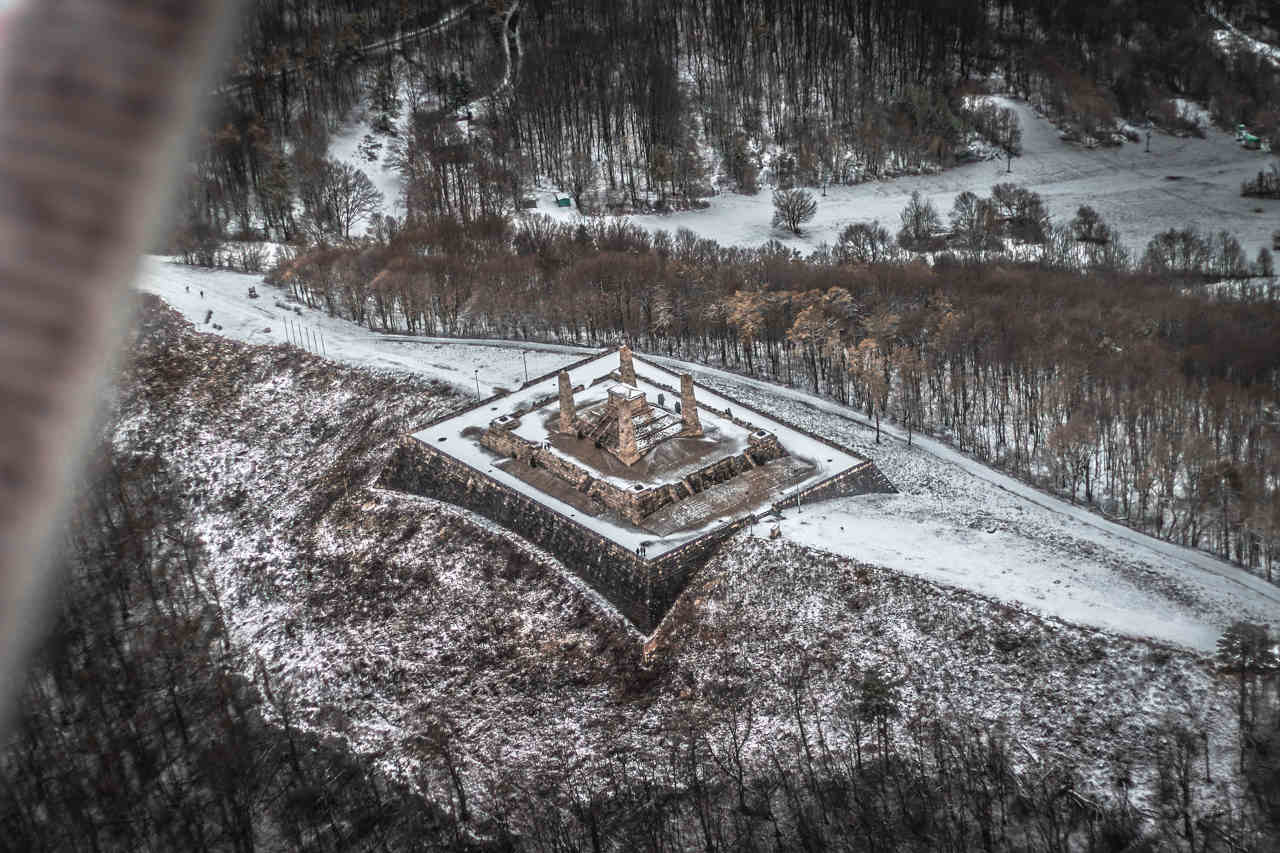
pixel 1120 380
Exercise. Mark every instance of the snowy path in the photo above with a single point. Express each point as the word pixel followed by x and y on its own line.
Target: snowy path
pixel 966 524
pixel 264 321
pixel 957 521
pixel 1130 188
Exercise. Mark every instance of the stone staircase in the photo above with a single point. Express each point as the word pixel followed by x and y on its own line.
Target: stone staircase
pixel 604 432
pixel 657 428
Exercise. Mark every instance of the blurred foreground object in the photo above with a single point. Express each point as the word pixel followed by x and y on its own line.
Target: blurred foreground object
pixel 95 98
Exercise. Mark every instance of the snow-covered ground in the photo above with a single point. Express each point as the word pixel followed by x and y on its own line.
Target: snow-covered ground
pixel 1130 188
pixel 1230 41
pixel 344 146
pixel 957 521
pixel 194 292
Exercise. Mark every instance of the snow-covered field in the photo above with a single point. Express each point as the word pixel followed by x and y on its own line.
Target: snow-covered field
pixel 1182 181
pixel 957 521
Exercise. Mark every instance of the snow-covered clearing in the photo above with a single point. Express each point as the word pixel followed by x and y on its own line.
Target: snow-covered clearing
pixel 957 521
pixel 1182 181
pixel 344 146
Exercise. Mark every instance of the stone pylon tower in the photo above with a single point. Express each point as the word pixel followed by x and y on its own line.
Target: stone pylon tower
pixel 627 451
pixel 566 402
pixel 689 407
pixel 626 367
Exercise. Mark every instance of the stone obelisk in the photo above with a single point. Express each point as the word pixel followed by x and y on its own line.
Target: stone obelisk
pixel 689 407
pixel 566 402
pixel 627 451
pixel 626 367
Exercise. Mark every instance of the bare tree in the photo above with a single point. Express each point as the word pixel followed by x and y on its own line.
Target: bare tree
pixel 1089 227
pixel 793 208
pixel 1009 136
pixel 1264 266
pixel 920 222
pixel 864 243
pixel 352 197
pixel 581 176
pixel 973 221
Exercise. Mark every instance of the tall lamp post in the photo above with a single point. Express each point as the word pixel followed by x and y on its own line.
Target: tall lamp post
pixel 523 354
pixel 477 383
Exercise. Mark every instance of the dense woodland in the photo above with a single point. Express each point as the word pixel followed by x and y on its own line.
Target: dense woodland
pixel 642 104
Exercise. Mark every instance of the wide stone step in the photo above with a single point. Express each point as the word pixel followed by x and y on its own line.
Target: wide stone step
pixel 657 437
pixel 659 423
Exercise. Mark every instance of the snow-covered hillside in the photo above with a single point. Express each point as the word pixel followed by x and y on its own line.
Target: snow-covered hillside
pixel 960 522
pixel 1231 41
pixel 385 615
pixel 956 522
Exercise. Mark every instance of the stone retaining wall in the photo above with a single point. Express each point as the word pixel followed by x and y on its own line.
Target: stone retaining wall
pixel 642 590
pixel 864 479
